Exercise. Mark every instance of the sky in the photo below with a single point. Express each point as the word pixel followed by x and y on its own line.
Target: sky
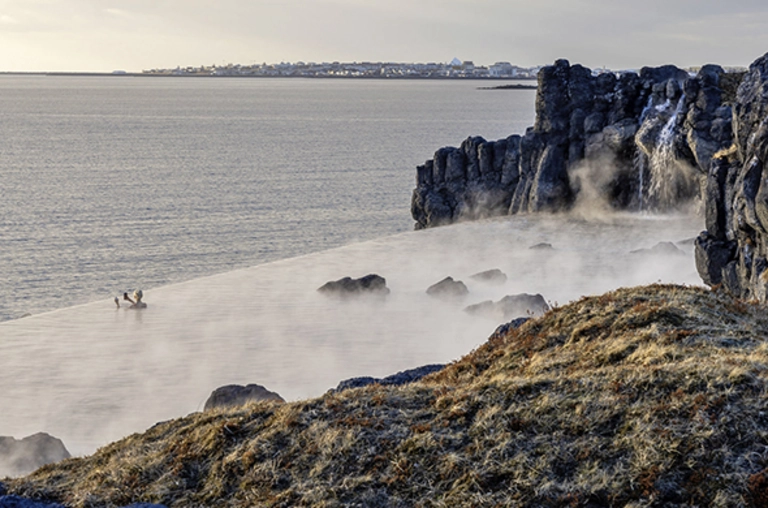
pixel 136 35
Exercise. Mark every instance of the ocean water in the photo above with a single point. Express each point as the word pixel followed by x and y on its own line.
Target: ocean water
pixel 111 183
pixel 230 250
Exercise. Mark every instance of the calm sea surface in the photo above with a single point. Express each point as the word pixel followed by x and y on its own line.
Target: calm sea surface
pixel 114 183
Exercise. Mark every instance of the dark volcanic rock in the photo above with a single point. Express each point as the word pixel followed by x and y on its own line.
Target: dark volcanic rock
pixel 19 457
pixel 370 284
pixel 145 505
pixel 238 395
pixel 401 378
pixel 448 288
pixel 20 502
pixel 502 330
pixel 493 276
pixel 650 138
pixel 511 306
pixel 734 249
pixel 712 256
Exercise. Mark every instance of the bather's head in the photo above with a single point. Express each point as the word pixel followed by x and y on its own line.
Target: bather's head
pixel 137 295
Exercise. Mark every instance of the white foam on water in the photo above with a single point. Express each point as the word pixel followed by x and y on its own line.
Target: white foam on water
pixel 92 374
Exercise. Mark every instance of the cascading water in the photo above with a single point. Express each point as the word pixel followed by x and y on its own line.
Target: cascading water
pixel 670 180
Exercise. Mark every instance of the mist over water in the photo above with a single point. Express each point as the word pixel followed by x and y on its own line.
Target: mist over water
pixel 92 374
pixel 227 203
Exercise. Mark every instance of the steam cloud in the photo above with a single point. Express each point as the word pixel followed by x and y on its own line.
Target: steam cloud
pixel 93 374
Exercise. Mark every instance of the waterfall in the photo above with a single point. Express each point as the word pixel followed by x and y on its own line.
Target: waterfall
pixel 670 179
pixel 640 163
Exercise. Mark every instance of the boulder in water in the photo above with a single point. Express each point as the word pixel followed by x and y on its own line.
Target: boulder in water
pixel 493 276
pixel 511 306
pixel 660 249
pixel 370 284
pixel 238 395
pixel 20 457
pixel 448 288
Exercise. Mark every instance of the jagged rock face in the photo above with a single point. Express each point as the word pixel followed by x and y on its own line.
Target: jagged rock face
pixel 733 249
pixel 636 141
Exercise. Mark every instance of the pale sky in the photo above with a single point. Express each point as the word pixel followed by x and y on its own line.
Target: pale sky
pixel 134 35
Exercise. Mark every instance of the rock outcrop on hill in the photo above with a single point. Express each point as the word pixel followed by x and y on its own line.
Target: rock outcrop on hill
pixel 230 396
pixel 634 141
pixel 733 251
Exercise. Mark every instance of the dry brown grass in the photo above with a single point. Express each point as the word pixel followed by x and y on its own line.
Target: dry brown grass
pixel 650 396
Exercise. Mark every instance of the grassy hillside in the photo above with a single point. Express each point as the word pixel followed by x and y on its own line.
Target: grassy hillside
pixel 647 396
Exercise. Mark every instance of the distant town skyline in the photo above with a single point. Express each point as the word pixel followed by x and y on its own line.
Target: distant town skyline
pixel 133 35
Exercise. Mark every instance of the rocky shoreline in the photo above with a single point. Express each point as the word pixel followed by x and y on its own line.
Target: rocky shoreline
pixel 632 142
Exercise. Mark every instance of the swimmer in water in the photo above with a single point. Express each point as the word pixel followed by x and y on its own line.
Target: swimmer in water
pixel 137 304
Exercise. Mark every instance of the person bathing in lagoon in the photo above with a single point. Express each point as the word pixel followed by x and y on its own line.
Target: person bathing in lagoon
pixel 136 302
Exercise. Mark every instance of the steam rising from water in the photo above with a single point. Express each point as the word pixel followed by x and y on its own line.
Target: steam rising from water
pixel 93 374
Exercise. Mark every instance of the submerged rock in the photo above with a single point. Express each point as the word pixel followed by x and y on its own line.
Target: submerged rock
pixel 19 457
pixel 511 306
pixel 370 284
pixel 238 395
pixel 660 249
pixel 448 288
pixel 494 276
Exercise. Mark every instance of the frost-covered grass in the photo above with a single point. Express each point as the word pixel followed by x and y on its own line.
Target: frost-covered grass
pixel 649 396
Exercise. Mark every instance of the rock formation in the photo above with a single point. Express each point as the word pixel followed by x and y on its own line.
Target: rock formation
pixel 493 276
pixel 633 141
pixel 237 395
pixel 399 379
pixel 448 288
pixel 733 251
pixel 370 284
pixel 20 502
pixel 22 456
pixel 511 306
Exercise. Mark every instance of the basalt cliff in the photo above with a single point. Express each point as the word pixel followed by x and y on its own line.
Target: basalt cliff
pixel 659 140
pixel 637 141
pixel 733 249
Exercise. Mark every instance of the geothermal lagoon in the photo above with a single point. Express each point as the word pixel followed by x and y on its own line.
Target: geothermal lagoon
pixel 94 373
